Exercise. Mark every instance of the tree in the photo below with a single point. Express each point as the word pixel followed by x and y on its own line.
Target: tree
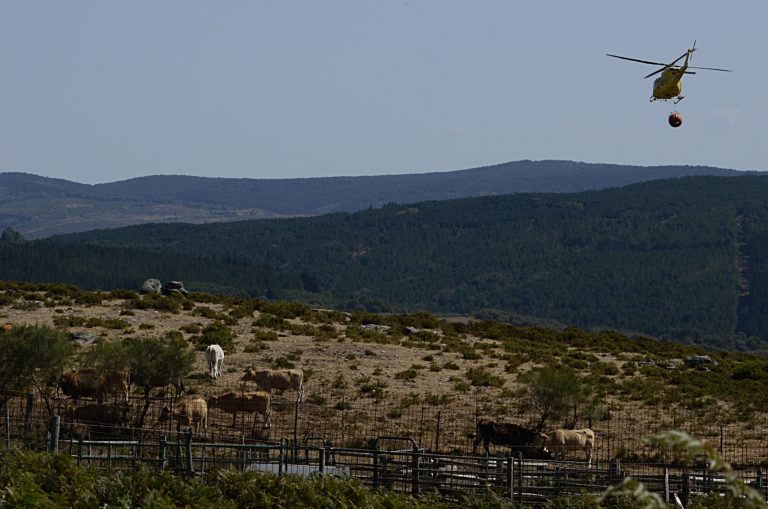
pixel 12 236
pixel 156 363
pixel 32 356
pixel 558 394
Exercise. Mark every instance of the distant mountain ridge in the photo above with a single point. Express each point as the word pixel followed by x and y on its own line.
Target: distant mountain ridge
pixel 41 206
pixel 683 259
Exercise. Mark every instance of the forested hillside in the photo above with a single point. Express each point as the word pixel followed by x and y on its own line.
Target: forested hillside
pixel 40 207
pixel 681 258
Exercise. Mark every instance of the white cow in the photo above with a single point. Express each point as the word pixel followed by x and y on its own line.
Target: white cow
pixel 214 354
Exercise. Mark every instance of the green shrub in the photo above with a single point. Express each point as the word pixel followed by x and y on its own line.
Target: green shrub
pixel 480 377
pixel 217 333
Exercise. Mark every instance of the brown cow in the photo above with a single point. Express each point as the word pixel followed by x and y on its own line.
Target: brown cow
pixel 559 441
pixel 90 383
pixel 518 438
pixel 268 379
pixel 191 411
pixel 6 327
pixel 102 419
pixel 247 402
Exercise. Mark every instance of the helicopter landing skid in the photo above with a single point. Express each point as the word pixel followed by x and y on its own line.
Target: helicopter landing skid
pixel 678 99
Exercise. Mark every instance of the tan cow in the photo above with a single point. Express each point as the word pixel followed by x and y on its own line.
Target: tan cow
pixel 191 411
pixel 268 379
pixel 90 383
pixel 247 402
pixel 559 441
pixel 6 327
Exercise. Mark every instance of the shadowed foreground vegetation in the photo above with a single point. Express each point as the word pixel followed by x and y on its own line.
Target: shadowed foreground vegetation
pixel 52 480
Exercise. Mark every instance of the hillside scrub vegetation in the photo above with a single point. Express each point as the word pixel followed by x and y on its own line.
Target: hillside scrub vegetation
pixel 390 352
pixel 682 259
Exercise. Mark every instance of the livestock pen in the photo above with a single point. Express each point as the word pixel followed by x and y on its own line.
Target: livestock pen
pixel 399 464
pixel 437 424
pixel 413 444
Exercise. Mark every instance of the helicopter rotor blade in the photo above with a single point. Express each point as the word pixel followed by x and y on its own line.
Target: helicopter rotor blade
pixel 636 60
pixel 667 66
pixel 709 68
pixel 657 71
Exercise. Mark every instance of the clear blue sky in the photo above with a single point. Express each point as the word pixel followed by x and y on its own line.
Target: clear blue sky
pixel 101 91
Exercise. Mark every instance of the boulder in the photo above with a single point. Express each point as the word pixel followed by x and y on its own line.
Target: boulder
pixel 151 285
pixel 174 287
pixel 699 361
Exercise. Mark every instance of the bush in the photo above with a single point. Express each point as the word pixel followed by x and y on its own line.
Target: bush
pixel 219 334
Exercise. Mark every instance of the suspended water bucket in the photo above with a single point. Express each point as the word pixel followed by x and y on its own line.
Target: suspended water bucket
pixel 675 119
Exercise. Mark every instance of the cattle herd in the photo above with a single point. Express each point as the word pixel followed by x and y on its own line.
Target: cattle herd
pixel 190 411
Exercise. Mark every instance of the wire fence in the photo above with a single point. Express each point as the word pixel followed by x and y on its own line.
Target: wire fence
pixel 413 444
pixel 436 423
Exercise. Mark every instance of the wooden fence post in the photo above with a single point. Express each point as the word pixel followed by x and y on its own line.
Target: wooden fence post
pixel 437 431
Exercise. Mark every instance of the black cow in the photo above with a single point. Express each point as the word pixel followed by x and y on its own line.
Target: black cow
pixel 518 438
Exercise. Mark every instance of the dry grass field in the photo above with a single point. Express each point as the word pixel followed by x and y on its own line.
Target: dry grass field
pixel 365 380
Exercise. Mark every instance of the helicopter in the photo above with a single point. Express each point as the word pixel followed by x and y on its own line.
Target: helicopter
pixel 669 85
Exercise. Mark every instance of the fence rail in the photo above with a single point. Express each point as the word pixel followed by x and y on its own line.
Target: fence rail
pixel 414 445
pixel 411 469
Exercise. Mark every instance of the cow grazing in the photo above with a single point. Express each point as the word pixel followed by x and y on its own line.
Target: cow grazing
pixel 214 354
pixel 559 441
pixel 191 411
pixel 102 419
pixel 268 379
pixel 90 383
pixel 247 402
pixel 517 437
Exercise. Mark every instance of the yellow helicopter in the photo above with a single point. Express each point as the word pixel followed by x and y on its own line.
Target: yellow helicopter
pixel 669 84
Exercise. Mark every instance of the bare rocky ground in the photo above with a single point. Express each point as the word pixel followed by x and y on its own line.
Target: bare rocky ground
pixel 326 359
pixel 362 387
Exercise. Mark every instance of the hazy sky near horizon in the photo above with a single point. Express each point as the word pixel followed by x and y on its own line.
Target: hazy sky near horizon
pixel 96 91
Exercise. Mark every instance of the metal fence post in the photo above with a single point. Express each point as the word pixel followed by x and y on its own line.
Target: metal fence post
pixel 321 461
pixel 281 457
pixel 295 430
pixel 161 455
pixel 415 471
pixel 520 478
pixel 28 413
pixel 7 427
pixel 666 484
pixel 437 431
pixel 79 450
pixel 55 424
pixel 188 439
pixel 376 468
pixel 511 477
